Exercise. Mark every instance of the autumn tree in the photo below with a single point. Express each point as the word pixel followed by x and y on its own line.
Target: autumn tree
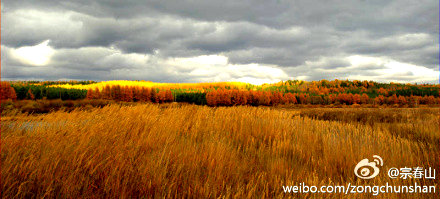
pixel 393 99
pixel 106 93
pixel 137 95
pixel 169 96
pixel 96 94
pixel 243 98
pixel 153 95
pixel 332 98
pixel 253 98
pixel 11 94
pixel 264 98
pixel 126 94
pixel 223 97
pixel 382 91
pixel 211 98
pixel 30 95
pixel 290 98
pixel 116 92
pixel 276 98
pixel 379 100
pixel 364 98
pixel 145 95
pixel 303 98
pixel 356 99
pixel 414 101
pixel 345 98
pixel 235 99
pixel 402 100
pixel 89 94
pixel 7 92
pixel 427 100
pixel 160 96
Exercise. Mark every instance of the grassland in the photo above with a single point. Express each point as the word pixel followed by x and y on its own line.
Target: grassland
pixel 188 151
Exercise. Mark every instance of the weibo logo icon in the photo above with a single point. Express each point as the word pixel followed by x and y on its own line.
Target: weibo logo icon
pixel 368 170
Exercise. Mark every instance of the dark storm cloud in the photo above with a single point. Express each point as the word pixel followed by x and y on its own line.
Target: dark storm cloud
pixel 353 14
pixel 307 35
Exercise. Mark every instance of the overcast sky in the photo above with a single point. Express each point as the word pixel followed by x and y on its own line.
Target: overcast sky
pixel 204 40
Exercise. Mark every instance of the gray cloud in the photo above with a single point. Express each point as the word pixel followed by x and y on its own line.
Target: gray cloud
pixel 302 37
pixel 351 15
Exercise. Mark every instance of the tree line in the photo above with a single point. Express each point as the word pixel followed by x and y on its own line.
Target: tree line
pixel 289 92
pixel 36 91
pixel 32 92
pixel 131 94
pixel 222 97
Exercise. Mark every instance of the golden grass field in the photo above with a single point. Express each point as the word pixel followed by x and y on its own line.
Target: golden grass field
pixel 188 151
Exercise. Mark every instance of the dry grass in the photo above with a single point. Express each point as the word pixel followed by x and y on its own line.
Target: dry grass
pixel 201 152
